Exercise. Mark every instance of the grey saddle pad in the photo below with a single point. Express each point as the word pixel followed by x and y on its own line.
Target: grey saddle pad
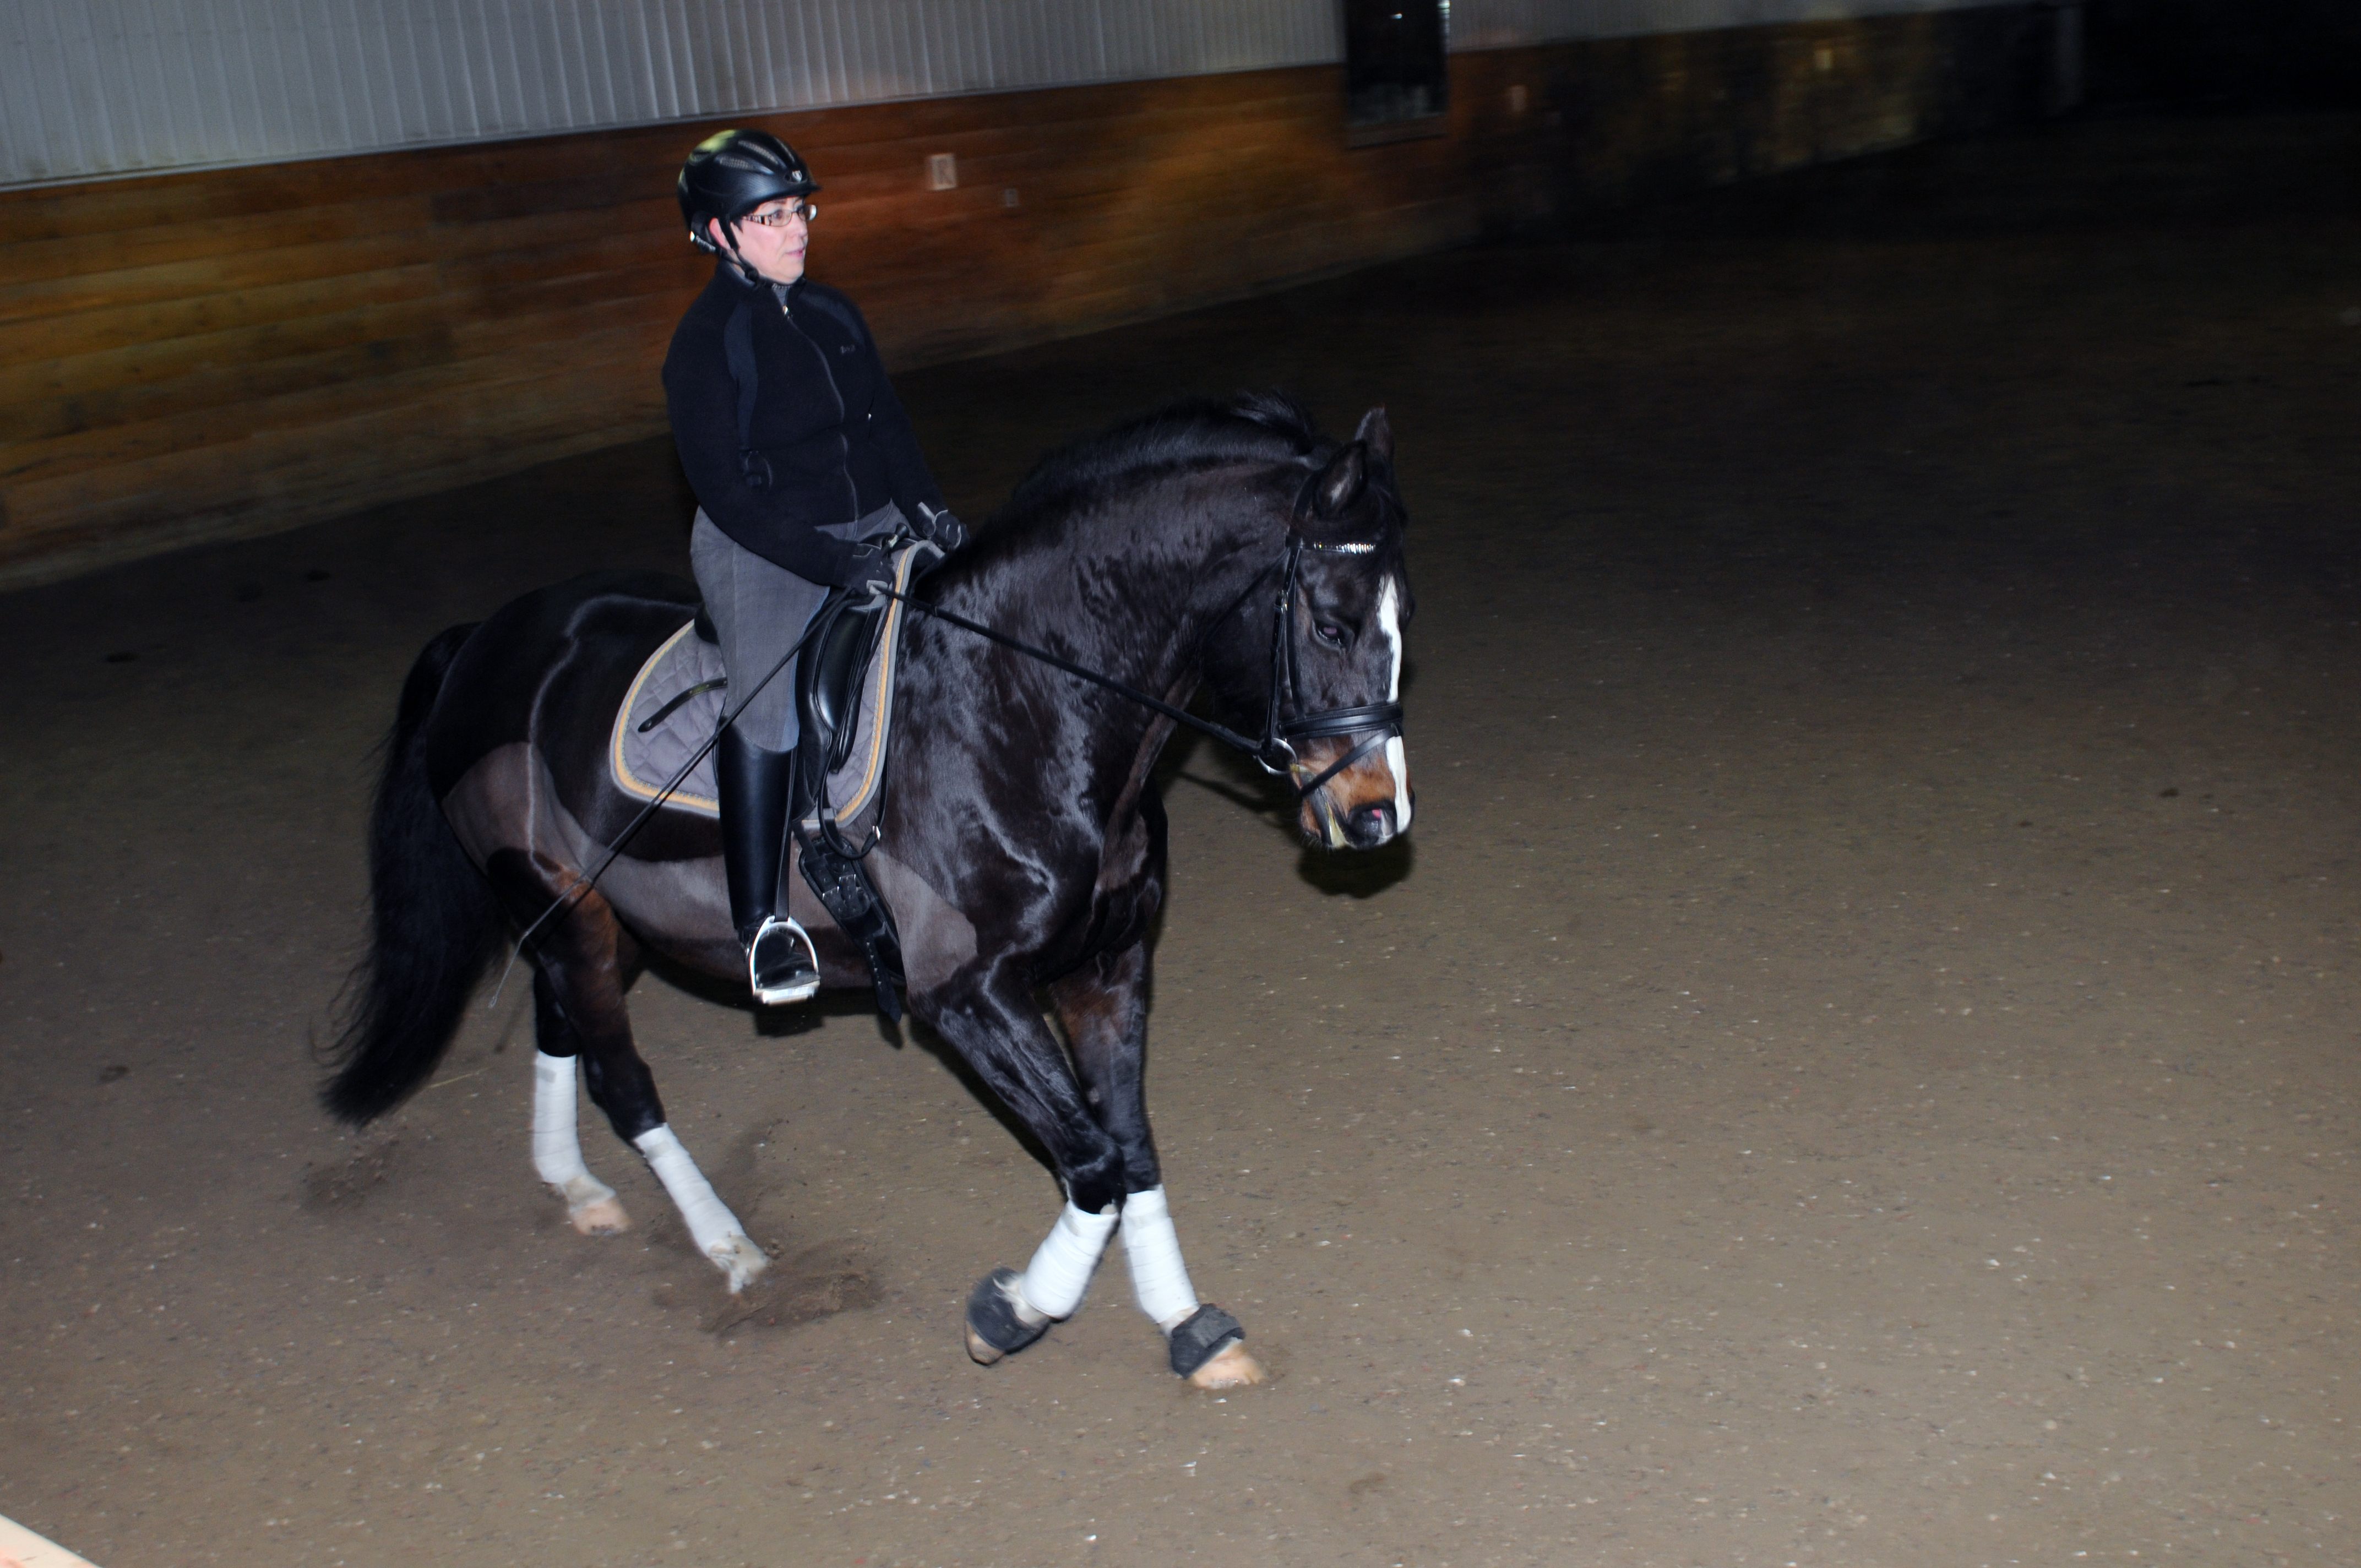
pixel 643 762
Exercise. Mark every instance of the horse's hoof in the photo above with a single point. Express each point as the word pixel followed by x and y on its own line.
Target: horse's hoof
pixel 603 1218
pixel 996 1327
pixel 740 1259
pixel 1206 1350
pixel 1231 1367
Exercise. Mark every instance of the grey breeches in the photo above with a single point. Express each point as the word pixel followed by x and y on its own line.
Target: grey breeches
pixel 759 608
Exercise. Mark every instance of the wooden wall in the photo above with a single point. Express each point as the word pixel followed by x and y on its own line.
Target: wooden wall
pixel 204 355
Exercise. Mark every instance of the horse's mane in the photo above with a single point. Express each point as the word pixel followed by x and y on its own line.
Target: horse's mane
pixel 1192 432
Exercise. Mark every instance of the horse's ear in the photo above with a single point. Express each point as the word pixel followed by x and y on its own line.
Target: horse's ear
pixel 1377 435
pixel 1340 484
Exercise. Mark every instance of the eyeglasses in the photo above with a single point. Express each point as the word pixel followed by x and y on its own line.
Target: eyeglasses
pixel 795 209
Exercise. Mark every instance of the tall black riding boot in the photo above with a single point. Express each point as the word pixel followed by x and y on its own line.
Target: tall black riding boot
pixel 754 785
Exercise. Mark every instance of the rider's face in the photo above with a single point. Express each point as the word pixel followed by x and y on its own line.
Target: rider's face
pixel 774 251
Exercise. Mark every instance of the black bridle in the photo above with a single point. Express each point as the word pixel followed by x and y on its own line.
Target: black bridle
pixel 1376 723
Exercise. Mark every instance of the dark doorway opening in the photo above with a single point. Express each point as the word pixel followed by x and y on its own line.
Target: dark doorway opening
pixel 1397 68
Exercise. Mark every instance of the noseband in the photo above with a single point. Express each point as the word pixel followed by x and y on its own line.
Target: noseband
pixel 1375 722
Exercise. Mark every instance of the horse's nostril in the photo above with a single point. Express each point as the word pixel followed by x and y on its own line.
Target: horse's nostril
pixel 1371 824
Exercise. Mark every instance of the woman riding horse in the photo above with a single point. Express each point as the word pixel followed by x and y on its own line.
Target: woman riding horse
pixel 1230 548
pixel 803 460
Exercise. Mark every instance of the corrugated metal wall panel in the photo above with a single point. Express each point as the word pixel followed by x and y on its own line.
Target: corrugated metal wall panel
pixel 121 86
pixel 1511 23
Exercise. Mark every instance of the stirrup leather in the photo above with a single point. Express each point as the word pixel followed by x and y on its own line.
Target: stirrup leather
pixel 781 963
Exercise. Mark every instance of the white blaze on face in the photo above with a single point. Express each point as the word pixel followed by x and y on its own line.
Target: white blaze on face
pixel 1389 628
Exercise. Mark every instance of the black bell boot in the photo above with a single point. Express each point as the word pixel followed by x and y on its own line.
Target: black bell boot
pixel 754 786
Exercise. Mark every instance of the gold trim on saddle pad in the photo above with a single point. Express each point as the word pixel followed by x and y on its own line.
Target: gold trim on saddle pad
pixel 852 787
pixel 619 759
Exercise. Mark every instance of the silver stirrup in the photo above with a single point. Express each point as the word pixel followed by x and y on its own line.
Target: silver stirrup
pixel 803 986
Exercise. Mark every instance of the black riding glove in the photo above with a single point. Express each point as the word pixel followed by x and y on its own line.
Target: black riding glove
pixel 868 566
pixel 944 531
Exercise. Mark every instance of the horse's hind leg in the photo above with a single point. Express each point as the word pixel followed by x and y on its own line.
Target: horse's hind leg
pixel 578 997
pixel 1103 1009
pixel 591 1203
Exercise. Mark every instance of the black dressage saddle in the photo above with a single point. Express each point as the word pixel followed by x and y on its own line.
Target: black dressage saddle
pixel 829 681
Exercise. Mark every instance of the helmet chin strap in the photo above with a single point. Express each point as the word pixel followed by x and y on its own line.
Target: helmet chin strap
pixel 746 272
pixel 727 249
pixel 737 258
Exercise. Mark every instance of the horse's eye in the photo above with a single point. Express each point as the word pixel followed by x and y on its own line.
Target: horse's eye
pixel 1332 635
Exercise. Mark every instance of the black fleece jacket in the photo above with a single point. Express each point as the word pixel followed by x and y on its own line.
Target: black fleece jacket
pixel 827 439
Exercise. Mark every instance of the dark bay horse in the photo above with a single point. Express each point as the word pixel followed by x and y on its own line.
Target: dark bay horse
pixel 1023 849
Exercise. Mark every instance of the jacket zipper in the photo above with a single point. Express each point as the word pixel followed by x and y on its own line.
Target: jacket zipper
pixel 844 441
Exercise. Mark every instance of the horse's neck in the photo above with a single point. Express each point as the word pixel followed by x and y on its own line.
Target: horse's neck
pixel 1139 599
pixel 1136 602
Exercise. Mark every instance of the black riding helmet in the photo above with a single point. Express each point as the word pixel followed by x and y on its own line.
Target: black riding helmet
pixel 732 174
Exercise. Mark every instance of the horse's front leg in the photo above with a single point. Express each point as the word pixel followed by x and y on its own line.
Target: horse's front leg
pixel 580 967
pixel 993 1022
pixel 1103 1008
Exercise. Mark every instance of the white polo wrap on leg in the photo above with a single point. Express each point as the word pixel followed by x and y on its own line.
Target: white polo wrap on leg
pixel 710 1224
pixel 556 1147
pixel 1060 1270
pixel 1159 1278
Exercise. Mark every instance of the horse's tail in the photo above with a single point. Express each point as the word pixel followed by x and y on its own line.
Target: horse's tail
pixel 434 923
